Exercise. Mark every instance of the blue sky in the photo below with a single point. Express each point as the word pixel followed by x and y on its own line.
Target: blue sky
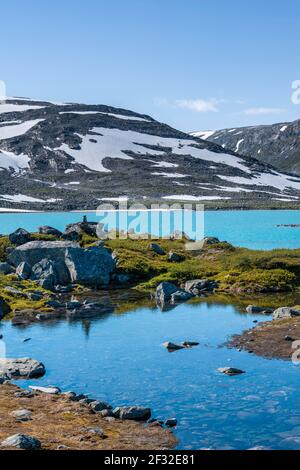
pixel 194 64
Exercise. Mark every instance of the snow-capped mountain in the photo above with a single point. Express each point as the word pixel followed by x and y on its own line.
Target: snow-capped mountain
pixel 277 144
pixel 72 156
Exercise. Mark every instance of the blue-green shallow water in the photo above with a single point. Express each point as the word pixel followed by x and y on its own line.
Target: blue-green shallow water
pixel 120 358
pixel 252 229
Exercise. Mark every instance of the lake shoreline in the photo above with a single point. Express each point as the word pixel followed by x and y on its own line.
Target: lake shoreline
pixel 271 340
pixel 60 423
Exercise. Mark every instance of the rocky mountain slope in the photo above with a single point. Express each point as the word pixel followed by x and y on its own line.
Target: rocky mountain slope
pixel 277 144
pixel 57 156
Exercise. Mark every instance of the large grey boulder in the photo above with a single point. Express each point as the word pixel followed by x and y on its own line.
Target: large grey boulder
pixel 135 413
pixel 92 267
pixel 20 237
pixel 50 273
pixel 22 441
pixel 6 268
pixel 22 368
pixel 46 230
pixel 34 252
pixel 285 312
pixel 164 292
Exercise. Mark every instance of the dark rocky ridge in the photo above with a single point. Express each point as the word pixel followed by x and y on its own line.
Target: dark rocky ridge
pixel 53 158
pixel 276 144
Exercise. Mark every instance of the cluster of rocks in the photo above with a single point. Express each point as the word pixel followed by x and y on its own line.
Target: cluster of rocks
pixel 55 264
pixel 171 347
pixel 29 368
pixel 73 232
pixel 61 263
pixel 172 257
pixel 23 368
pixel 277 314
pixel 168 293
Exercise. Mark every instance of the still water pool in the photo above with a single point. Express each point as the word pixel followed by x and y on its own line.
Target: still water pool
pixel 120 357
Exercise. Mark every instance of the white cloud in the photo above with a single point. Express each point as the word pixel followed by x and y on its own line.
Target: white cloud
pixel 199 105
pixel 263 111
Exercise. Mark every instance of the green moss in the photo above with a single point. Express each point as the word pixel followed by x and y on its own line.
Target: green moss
pixel 236 269
pixel 17 302
pixel 4 244
pixel 88 240
pixel 258 280
pixel 43 237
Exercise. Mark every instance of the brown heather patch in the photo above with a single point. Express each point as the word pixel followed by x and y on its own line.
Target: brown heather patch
pixel 57 421
pixel 268 339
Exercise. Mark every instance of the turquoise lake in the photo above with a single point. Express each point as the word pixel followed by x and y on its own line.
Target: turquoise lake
pixel 251 229
pixel 120 357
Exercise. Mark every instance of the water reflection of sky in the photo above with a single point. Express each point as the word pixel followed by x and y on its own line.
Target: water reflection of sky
pixel 120 358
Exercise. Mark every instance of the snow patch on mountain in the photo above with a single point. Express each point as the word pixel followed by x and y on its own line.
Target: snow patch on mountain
pixel 9 132
pixel 276 180
pixel 13 108
pixel 186 197
pixel 203 134
pixel 9 160
pixel 115 143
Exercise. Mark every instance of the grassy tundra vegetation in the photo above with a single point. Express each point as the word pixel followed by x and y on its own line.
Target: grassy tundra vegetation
pixel 238 271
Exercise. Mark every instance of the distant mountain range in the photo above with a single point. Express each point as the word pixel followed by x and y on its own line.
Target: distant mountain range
pixel 65 156
pixel 277 144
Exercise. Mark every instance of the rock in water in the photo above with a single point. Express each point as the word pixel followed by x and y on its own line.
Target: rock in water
pixel 190 344
pixel 22 368
pixel 134 413
pixel 20 237
pixel 21 441
pixel 180 296
pixel 164 292
pixel 230 371
pixel 252 309
pixel 92 267
pixel 172 346
pixel 285 312
pixel 171 422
